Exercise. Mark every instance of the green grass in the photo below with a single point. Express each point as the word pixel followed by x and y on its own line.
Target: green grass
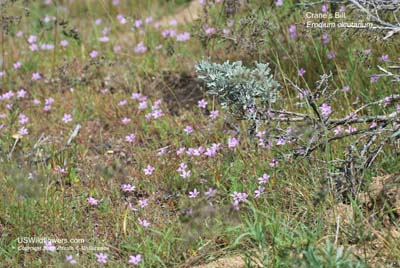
pixel 292 225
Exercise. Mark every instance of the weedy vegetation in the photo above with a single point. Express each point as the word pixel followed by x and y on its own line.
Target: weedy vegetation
pixel 176 133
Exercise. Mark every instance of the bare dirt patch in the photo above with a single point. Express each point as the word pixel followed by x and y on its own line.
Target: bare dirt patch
pixel 227 262
pixel 185 15
pixel 180 91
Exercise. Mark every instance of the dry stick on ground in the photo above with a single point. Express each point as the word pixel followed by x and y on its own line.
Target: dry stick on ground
pixel 69 141
pixel 392 28
pixel 375 136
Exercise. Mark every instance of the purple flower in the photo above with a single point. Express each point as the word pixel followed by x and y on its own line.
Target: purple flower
pixel 132 207
pixel 338 130
pixel 374 78
pixel 104 39
pixel 143 203
pixel 106 31
pixel 301 72
pixel 17 65
pixel 185 174
pixel 46 19
pixel 226 31
pixel 188 130
pixel 135 259
pixel 162 151
pixel 125 120
pixel 142 105
pixel 385 58
pixel 324 8
pixel 157 25
pixel 138 23
pixel 194 193
pixel 127 187
pixel 94 54
pixel 182 167
pixel 122 103
pixel 117 48
pixel 23 131
pixel 367 51
pixel 64 43
pixel 387 101
pixel 92 201
pixel 36 76
pixel 47 47
pixel 351 129
pixel 157 113
pixel 212 151
pixel 342 8
pixel 34 47
pixel 172 22
pixel 32 39
pixel 214 114
pixel 183 37
pixel 331 55
pixel 180 151
pixel 23 119
pixel 67 118
pixel 232 142
pixel 70 259
pixel 8 95
pixel 202 103
pixel 279 3
pixel 326 110
pixel 143 223
pixel 274 162
pixel 262 180
pixel 239 197
pixel 148 170
pixel 209 30
pixel 61 170
pixel 260 190
pixel 292 31
pixel 345 89
pixel 21 93
pixel 130 138
pixel 140 48
pixel 156 104
pixel 281 141
pixel 101 257
pixel 168 33
pixel 47 108
pixel 48 101
pixel 121 19
pixel 210 192
pixel 148 20
pixel 325 38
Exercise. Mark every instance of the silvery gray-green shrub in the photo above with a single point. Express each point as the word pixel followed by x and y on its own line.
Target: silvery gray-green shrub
pixel 245 91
